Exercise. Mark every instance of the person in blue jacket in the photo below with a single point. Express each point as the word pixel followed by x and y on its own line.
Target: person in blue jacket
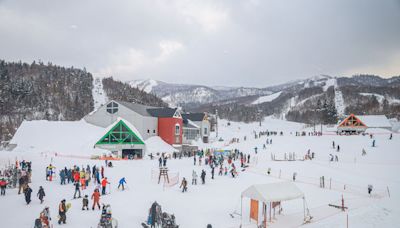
pixel 122 181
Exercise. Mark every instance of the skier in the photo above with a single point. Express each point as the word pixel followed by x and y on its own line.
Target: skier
pixel 160 162
pixel 85 203
pixel 333 144
pixel 369 189
pixel 28 192
pixel 165 162
pixel 41 194
pixel 183 185
pixel 96 198
pixel 194 178
pixel 104 183
pixel 338 148
pixel 62 212
pixel 3 185
pixel 77 189
pixel 121 183
pixel 203 176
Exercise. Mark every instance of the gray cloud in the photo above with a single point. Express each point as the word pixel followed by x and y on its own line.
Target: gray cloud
pixel 249 43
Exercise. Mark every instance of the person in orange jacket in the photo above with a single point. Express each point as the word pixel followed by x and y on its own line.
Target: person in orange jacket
pixel 96 198
pixel 104 183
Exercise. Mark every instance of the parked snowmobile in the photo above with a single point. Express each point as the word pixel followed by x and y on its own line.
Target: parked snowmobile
pixel 106 219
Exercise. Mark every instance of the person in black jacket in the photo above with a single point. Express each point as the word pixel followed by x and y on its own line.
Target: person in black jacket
pixel 28 192
pixel 77 189
pixel 41 194
pixel 203 176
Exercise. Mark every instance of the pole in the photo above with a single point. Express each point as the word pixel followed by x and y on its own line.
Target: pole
pixel 241 210
pixel 388 191
pixel 347 220
pixel 304 208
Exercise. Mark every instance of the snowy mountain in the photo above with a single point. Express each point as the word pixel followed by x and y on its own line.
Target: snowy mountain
pixel 194 95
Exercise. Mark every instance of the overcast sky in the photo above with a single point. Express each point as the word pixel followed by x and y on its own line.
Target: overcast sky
pixel 232 42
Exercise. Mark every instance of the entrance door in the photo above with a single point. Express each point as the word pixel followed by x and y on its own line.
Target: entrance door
pixel 132 153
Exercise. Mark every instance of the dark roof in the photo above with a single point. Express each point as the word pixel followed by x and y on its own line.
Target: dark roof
pixel 194 116
pixel 162 112
pixel 138 108
pixel 189 124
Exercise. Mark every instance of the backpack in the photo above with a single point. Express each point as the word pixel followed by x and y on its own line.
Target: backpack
pixel 38 223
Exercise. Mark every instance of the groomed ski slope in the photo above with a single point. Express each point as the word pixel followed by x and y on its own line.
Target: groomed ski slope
pixel 213 202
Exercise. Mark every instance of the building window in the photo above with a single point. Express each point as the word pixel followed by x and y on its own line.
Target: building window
pixel 154 131
pixel 177 129
pixel 205 131
pixel 112 107
pixel 148 131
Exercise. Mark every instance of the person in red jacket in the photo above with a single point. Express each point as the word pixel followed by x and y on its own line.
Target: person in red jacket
pixel 3 185
pixel 96 198
pixel 104 183
pixel 76 176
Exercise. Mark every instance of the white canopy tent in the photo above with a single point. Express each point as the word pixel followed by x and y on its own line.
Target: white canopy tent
pixel 273 192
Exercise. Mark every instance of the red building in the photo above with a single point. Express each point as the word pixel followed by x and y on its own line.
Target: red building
pixel 170 124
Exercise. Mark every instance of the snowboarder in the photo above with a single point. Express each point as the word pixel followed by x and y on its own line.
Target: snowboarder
pixel 41 194
pixel 183 185
pixel 62 212
pixel 369 189
pixel 203 177
pixel 104 183
pixel 194 178
pixel 121 183
pixel 85 203
pixel 3 185
pixel 28 192
pixel 77 189
pixel 96 198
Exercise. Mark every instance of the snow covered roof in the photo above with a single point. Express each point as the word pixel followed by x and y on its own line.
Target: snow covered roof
pixel 273 192
pixel 375 121
pixel 155 144
pixel 67 137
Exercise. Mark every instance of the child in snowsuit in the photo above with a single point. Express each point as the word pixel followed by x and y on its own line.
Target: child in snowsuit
pixel 85 203
pixel 3 185
pixel 184 185
pixel 41 194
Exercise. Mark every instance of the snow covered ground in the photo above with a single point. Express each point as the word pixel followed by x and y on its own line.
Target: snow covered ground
pixel 217 199
pixel 99 96
pixel 267 98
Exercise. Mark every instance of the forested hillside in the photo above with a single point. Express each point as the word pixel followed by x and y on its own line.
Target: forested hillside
pixel 117 90
pixel 41 91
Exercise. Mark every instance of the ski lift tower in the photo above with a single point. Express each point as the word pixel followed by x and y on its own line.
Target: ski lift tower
pixel 216 122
